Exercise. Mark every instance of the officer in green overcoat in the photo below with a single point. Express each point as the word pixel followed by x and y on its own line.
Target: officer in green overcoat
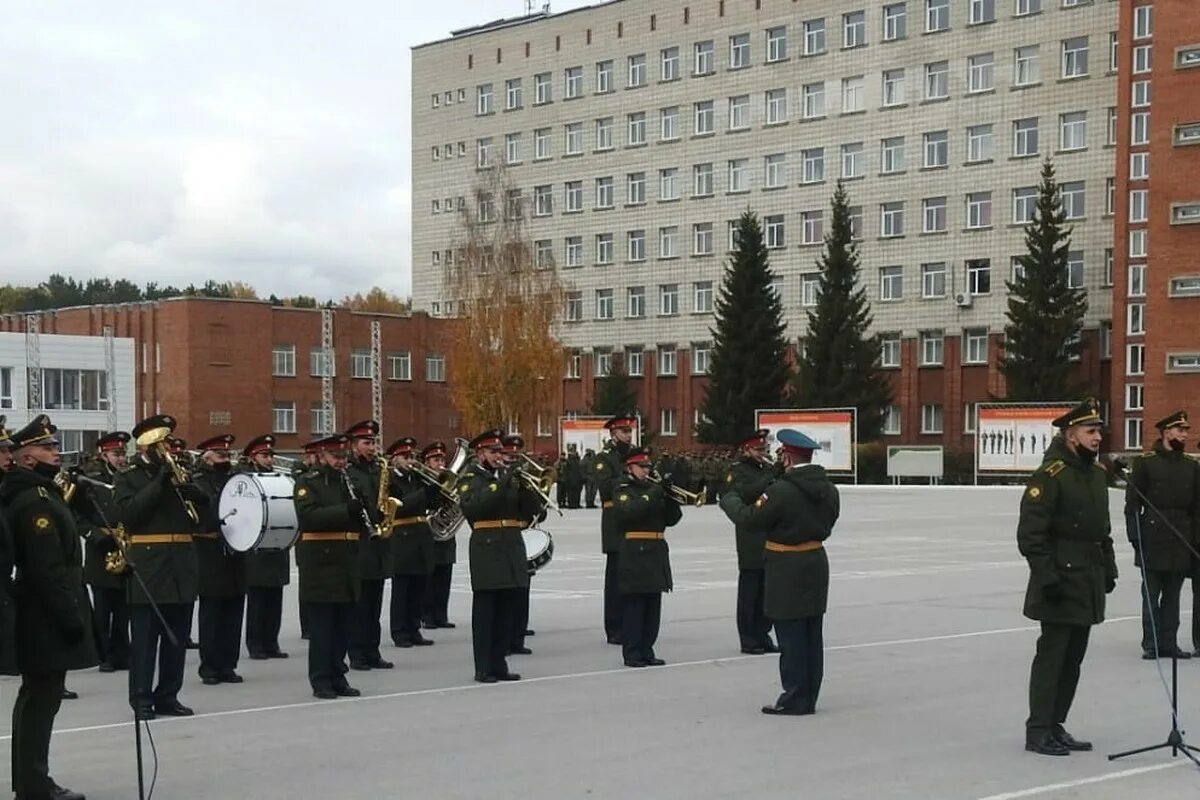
pixel 435 605
pixel 1162 520
pixel 642 511
pixel 749 477
pixel 571 476
pixel 587 464
pixel 412 545
pixel 1065 534
pixel 329 514
pixel 796 514
pixel 267 571
pixel 53 613
pixel 607 468
pixel 375 551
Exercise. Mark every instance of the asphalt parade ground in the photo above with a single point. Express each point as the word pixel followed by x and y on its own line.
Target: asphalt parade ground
pixel 926 669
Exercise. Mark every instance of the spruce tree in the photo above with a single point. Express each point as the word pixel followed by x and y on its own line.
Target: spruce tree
pixel 839 362
pixel 1045 315
pixel 748 368
pixel 614 392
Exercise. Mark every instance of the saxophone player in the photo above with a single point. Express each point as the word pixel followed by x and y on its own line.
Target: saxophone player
pixel 374 551
pixel 108 589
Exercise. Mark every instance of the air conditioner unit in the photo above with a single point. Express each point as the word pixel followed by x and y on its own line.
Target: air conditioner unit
pixel 962 300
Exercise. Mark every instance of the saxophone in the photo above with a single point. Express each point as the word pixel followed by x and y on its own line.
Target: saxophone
pixel 388 505
pixel 115 562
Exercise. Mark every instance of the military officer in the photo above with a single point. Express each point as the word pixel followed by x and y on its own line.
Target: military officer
pixel 108 589
pixel 749 477
pixel 796 514
pixel 54 616
pixel 435 605
pixel 641 513
pixel 1065 535
pixel 572 476
pixel 157 511
pixel 513 445
pixel 267 571
pixel 222 571
pixel 588 463
pixel 1162 519
pixel 607 468
pixel 374 550
pixel 8 610
pixel 496 505
pixel 412 545
pixel 329 512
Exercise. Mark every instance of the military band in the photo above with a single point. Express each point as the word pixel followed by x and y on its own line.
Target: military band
pixel 267 571
pixel 412 545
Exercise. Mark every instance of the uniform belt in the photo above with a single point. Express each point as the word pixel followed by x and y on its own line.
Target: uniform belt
pixel 206 535
pixel 803 547
pixel 488 524
pixel 329 536
pixel 607 504
pixel 409 521
pixel 645 535
pixel 160 538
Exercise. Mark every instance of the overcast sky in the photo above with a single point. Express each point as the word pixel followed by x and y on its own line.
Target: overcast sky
pixel 182 140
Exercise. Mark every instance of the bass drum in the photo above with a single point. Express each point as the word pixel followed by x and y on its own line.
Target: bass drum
pixel 257 512
pixel 539 548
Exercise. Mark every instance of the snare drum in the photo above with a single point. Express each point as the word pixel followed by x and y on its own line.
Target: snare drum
pixel 257 512
pixel 539 548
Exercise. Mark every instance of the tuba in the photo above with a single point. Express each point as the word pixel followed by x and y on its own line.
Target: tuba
pixel 448 517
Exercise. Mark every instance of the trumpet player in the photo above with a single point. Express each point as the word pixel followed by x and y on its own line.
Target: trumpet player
pixel 108 589
pixel 435 605
pixel 267 571
pixel 513 447
pixel 606 471
pixel 159 505
pixel 749 477
pixel 412 545
pixel 375 555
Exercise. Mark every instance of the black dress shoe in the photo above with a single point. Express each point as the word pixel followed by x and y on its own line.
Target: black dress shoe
pixel 402 642
pixel 1070 742
pixel 106 667
pixel 754 651
pixel 1147 655
pixel 144 713
pixel 421 641
pixel 277 654
pixel 192 645
pixel 259 656
pixel 361 666
pixel 530 632
pixel 629 662
pixel 347 691
pixel 429 624
pixel 176 709
pixel 519 651
pixel 509 676
pixel 69 695
pixel 1047 745
pixel 63 793
pixel 210 680
pixel 655 662
pixel 614 640
pixel 778 710
pixel 1176 652
pixel 770 647
pixel 446 624
pixel 325 694
pixel 232 677
pixel 481 678
pixel 379 663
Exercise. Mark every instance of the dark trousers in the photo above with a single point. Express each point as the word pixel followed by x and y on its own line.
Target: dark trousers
pixel 264 615
pixel 1160 609
pixel 520 617
pixel 435 606
pixel 112 625
pixel 613 602
pixel 491 629
pixel 366 632
pixel 220 634
pixel 150 643
pixel 801 661
pixel 1196 605
pixel 754 629
pixel 1055 674
pixel 590 495
pixel 36 706
pixel 640 620
pixel 573 493
pixel 329 627
pixel 407 593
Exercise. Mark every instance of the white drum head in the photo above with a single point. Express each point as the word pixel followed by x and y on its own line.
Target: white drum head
pixel 536 542
pixel 243 512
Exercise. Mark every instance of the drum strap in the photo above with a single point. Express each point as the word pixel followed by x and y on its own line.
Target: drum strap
pixel 490 524
pixel 645 535
pixel 804 547
pixel 160 538
pixel 329 536
pixel 206 535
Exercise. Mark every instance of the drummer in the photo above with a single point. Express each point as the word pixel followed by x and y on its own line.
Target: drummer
pixel 267 571
pixel 513 446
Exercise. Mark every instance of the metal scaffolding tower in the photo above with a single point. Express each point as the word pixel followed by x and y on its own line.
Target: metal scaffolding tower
pixel 33 362
pixel 377 376
pixel 327 370
pixel 110 377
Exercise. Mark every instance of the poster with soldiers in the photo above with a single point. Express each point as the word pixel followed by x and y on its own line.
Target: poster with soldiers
pixel 587 433
pixel 1011 437
pixel 832 428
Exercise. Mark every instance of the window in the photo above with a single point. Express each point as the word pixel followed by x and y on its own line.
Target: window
pixel 776 106
pixel 668 299
pixel 635 188
pixel 1024 204
pixel 668 123
pixel 980 11
pixel 1137 243
pixel 814 37
pixel 813 227
pixel 666 421
pixel 981 72
pixel 891 219
pixel 981 143
pixel 774 230
pixel 668 184
pixel 400 366
pixel 1139 125
pixel 6 387
pixel 895 21
pixel 702 239
pixel 360 364
pixel 1106 340
pixel 574 306
pixel 702 180
pixel 1134 397
pixel 854 29
pixel 854 164
pixel 483 150
pixel 937 149
pixel 739 112
pixel 891 155
pixel 979 276
pixel 1188 133
pixel 702 297
pixel 703 118
pixel 810 289
pixel 853 94
pixel 283 417
pixel 543 254
pixel 1075 57
pixel 1026 70
pixel 512 148
pixel 1143 22
pixel 931 419
pixel 814 100
pixel 933 214
pixel 1073 130
pixel 975 346
pixel 573 82
pixel 512 94
pixel 1183 362
pixel 775 171
pixel 777 44
pixel 1137 280
pixel 889 350
pixel 701 352
pixel 669 61
pixel 931 348
pixel 856 223
pixel 574 251
pixel 937 15
pixel 739 51
pixel 891 421
pixel 604 77
pixel 933 280
pixel 668 242
pixel 1025 137
pixel 636 241
pixel 543 201
pixel 319 420
pixel 634 363
pixel 893 87
pixel 574 138
pixel 1027 7
pixel 321 363
pixel 1184 286
pixel 1110 137
pixel 541 143
pixel 891 283
pixel 483 99
pixel 637 71
pixel 635 302
pixel 283 360
pixel 1135 320
pixel 435 368
pixel 739 175
pixel 979 210
pixel 1073 203
pixel 1139 94
pixel 605 193
pixel 1142 55
pixel 813 161
pixel 1133 433
pixel 71 389
pixel 666 359
pixel 937 80
pixel 604 133
pixel 1185 213
pixel 704 61
pixel 1114 49
pixel 575 365
pixel 604 304
pixel 1135 359
pixel 573 196
pixel 636 128
pixel 543 90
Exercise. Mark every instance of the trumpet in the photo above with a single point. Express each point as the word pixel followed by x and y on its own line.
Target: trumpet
pixel 679 494
pixel 538 479
pixel 157 438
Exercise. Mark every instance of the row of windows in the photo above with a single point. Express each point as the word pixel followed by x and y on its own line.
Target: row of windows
pixel 61 389
pixel 633 361
pixel 397 365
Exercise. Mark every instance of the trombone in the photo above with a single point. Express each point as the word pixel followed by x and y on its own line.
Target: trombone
pixel 445 481
pixel 679 494
pixel 538 479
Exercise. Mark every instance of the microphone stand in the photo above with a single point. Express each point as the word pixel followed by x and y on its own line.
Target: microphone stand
pixel 1175 739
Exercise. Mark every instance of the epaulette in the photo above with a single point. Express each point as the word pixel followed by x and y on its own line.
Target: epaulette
pixel 1054 467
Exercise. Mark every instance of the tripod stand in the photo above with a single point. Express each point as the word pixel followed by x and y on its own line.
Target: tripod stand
pixel 1175 739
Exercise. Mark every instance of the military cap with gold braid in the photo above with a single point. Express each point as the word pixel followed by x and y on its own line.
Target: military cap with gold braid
pixel 488 440
pixel 259 444
pixel 1086 413
pixel 39 431
pixel 112 441
pixel 222 441
pixel 1177 420
pixel 433 449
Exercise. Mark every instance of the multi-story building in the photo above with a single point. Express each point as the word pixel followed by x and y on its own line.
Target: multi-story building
pixel 246 367
pixel 636 132
pixel 1156 310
